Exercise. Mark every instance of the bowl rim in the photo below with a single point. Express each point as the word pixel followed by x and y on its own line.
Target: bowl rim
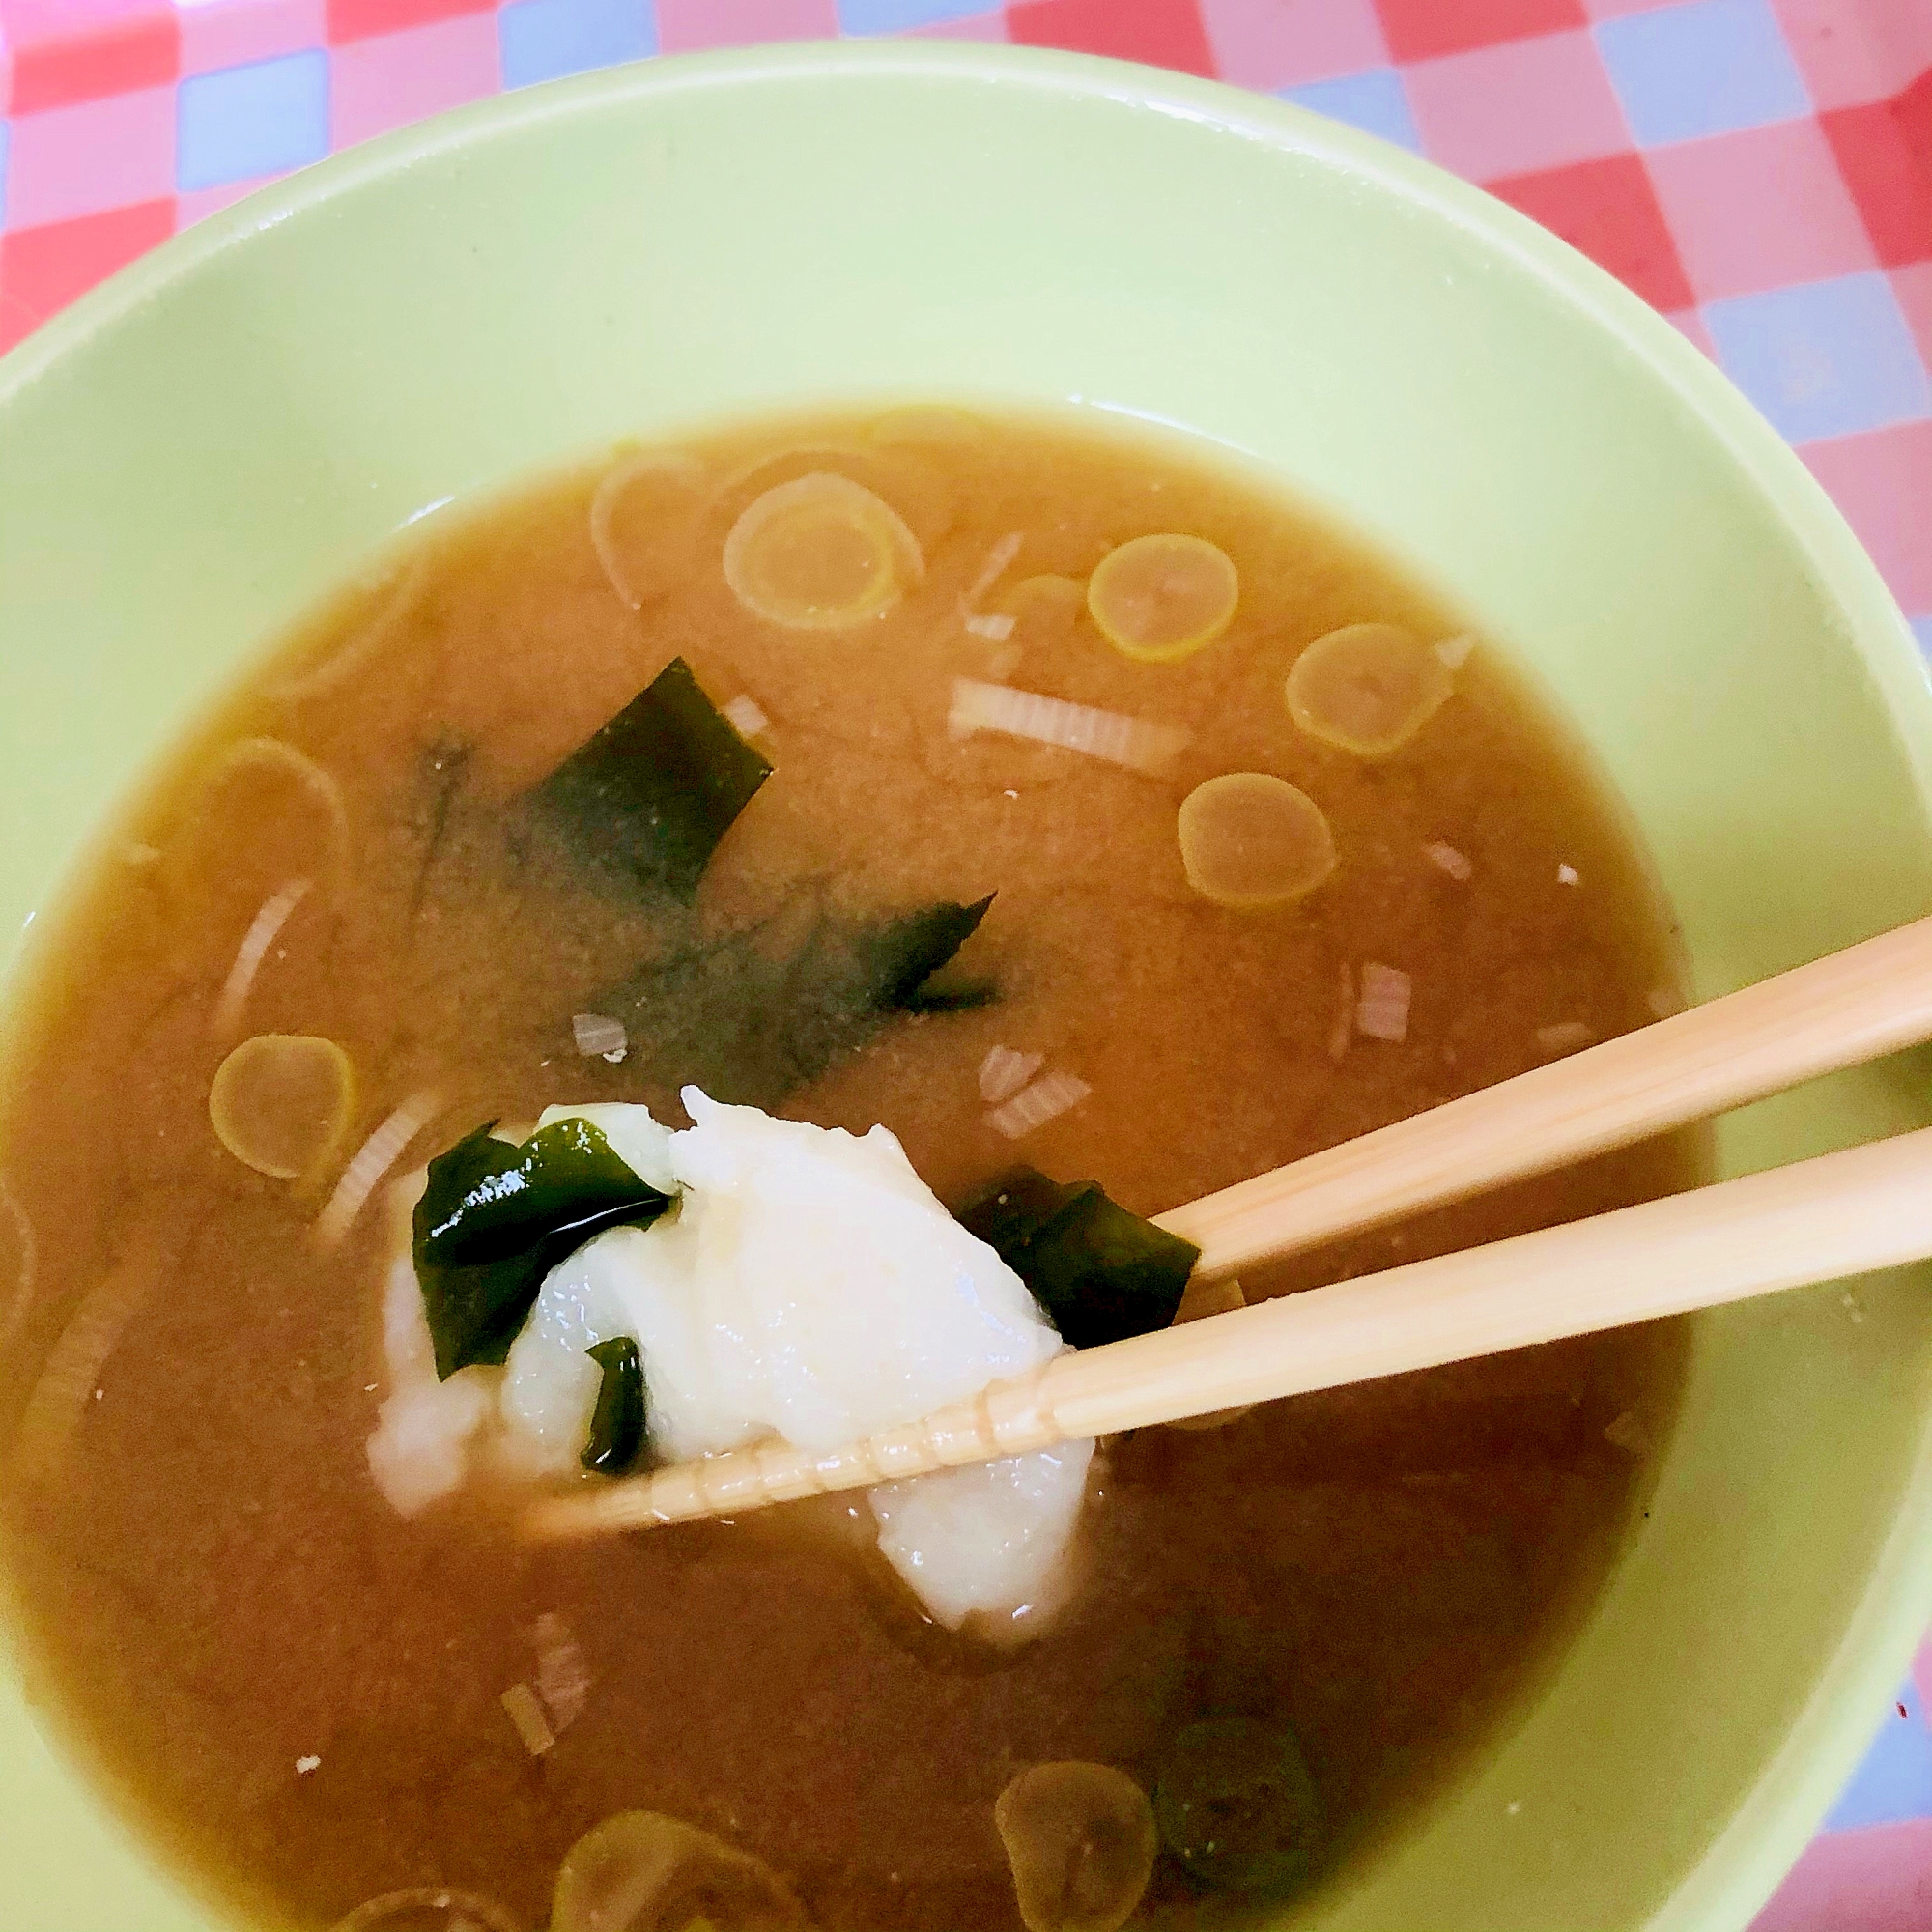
pixel 1748 1854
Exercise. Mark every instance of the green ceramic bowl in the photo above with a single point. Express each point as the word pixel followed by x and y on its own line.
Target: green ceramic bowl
pixel 193 453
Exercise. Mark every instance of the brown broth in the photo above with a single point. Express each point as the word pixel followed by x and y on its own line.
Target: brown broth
pixel 208 1587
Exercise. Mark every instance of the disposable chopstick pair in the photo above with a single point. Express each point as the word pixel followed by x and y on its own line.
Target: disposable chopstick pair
pixel 1840 1215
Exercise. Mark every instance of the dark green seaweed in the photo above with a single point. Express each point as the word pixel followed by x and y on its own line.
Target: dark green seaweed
pixel 495 1219
pixel 1100 1274
pixel 651 794
pixel 1235 1804
pixel 753 1016
pixel 444 772
pixel 899 957
pixel 618 1423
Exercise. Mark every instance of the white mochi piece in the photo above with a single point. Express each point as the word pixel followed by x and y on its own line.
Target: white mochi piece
pixel 989 1537
pixel 840 1297
pixel 421 1447
pixel 807 1285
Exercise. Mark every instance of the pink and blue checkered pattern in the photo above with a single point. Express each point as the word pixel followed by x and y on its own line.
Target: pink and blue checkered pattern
pixel 1760 170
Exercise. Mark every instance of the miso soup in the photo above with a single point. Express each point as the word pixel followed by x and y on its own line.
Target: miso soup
pixel 1060 798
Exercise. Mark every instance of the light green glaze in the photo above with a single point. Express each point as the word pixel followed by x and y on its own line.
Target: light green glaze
pixel 193 454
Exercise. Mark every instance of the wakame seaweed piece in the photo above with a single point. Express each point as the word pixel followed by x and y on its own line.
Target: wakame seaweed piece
pixel 495 1219
pixel 1234 1802
pixel 1009 1212
pixel 757 1014
pixel 652 793
pixel 474 1313
pixel 900 955
pixel 487 1209
pixel 617 1422
pixel 442 773
pixel 1100 1274
pixel 965 997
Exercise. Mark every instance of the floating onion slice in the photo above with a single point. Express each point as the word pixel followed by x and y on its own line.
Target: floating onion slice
pixel 430 1908
pixel 820 554
pixel 1138 742
pixel 275 760
pixel 1627 1432
pixel 597 1034
pixel 525 1710
pixel 1234 1803
pixel 563 1677
pixel 371 1161
pixel 64 1390
pixel 390 601
pixel 917 489
pixel 998 561
pixel 1368 688
pixel 1203 1298
pixel 291 821
pixel 1055 1092
pixel 643 523
pixel 275 756
pixel 1250 839
pixel 1383 1010
pixel 1163 597
pixel 281 1103
pixel 1342 1028
pixel 261 934
pixel 1566 1036
pixel 642 1871
pixel 1004 1073
pixel 1081 1841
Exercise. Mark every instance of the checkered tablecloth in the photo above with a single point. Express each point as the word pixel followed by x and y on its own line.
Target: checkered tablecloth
pixel 1761 170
